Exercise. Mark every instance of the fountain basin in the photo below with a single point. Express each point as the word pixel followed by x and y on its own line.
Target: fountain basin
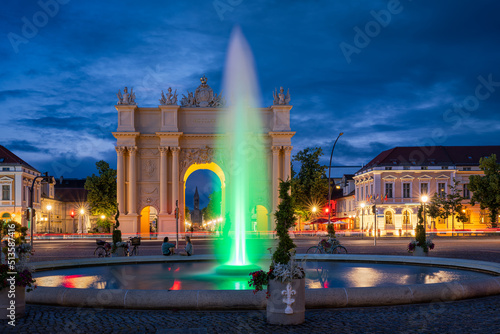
pixel 246 299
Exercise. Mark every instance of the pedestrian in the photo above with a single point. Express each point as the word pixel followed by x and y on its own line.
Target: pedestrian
pixel 167 248
pixel 188 250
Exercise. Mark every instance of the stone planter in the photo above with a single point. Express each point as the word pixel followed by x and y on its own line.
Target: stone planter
pixel 419 251
pixel 287 302
pixel 5 303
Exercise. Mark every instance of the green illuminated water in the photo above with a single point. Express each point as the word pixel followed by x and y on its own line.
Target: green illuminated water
pixel 245 160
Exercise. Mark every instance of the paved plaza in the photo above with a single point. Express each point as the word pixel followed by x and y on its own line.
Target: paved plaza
pixel 468 316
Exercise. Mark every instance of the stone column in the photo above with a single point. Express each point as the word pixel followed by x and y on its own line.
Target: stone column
pixel 132 182
pixel 276 152
pixel 175 176
pixel 286 166
pixel 163 179
pixel 120 179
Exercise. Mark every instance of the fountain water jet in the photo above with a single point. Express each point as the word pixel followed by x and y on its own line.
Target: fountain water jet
pixel 244 155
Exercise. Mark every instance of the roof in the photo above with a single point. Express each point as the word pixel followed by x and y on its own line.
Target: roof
pixel 70 190
pixel 432 156
pixel 9 158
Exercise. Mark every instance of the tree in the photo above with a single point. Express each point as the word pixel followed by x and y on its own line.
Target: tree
pixel 213 209
pixel 102 191
pixel 309 186
pixel 285 219
pixel 486 189
pixel 446 205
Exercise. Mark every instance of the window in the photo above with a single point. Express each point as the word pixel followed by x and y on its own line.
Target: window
pixel 406 190
pixel 388 218
pixel 5 193
pixel 423 167
pixel 442 189
pixel 388 168
pixel 371 189
pixel 5 169
pixel 467 168
pixel 424 188
pixel 406 167
pixel 361 189
pixel 388 190
pixel 444 167
pixel 466 192
pixel 366 191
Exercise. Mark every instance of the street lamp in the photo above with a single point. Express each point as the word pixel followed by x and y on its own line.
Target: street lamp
pixel 424 200
pixel 362 218
pixel 47 178
pixel 329 171
pixel 49 207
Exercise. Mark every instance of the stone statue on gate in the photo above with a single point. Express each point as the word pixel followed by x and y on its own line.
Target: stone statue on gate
pixel 126 98
pixel 280 97
pixel 170 98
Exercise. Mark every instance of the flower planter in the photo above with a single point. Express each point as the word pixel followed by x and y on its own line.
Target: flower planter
pixel 286 305
pixel 5 303
pixel 419 251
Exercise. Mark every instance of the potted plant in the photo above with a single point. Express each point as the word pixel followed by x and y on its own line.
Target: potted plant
pixel 118 247
pixel 285 279
pixel 15 273
pixel 420 246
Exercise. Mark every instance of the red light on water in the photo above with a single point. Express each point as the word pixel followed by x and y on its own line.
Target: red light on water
pixel 176 286
pixel 68 281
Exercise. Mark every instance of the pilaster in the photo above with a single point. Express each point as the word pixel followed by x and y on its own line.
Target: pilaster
pixel 120 178
pixel 132 181
pixel 163 179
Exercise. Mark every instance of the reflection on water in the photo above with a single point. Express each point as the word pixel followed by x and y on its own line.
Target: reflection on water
pixel 201 275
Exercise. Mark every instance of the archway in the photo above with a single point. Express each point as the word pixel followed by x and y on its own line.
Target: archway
pixel 213 167
pixel 149 223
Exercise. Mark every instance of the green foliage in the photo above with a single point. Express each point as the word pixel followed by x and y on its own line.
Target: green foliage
pixel 104 224
pixel 213 209
pixel 331 230
pixel 309 185
pixel 285 219
pixel 186 212
pixel 486 189
pixel 420 230
pixel 102 190
pixel 448 205
pixel 117 236
pixel 19 229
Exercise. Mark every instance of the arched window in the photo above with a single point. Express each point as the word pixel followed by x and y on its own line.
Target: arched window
pixel 388 218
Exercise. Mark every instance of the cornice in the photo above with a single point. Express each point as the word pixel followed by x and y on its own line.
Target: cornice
pixel 125 134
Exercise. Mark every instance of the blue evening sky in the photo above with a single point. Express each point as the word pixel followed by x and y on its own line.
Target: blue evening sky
pixel 386 73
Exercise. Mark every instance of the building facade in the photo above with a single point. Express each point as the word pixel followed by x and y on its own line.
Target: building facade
pixel 158 148
pixel 396 180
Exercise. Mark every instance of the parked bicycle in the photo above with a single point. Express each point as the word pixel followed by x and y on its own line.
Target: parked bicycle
pixel 133 246
pixel 330 246
pixel 103 248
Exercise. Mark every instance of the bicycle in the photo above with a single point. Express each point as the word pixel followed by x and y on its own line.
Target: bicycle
pixel 103 249
pixel 135 242
pixel 330 246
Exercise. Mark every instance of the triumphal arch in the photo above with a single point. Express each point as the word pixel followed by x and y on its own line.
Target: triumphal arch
pixel 159 147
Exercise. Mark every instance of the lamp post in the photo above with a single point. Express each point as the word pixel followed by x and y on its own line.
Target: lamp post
pixel 329 172
pixel 47 178
pixel 424 200
pixel 49 207
pixel 82 213
pixel 362 218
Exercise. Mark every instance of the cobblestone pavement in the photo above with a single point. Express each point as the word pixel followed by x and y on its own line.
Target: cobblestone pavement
pixel 470 316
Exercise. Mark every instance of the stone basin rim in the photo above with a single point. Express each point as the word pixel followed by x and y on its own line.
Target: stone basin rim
pixel 246 299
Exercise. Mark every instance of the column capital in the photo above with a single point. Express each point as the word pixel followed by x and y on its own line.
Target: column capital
pixel 287 149
pixel 175 150
pixel 163 149
pixel 120 149
pixel 276 149
pixel 132 149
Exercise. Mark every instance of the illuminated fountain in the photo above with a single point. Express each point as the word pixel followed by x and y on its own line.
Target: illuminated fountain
pixel 244 156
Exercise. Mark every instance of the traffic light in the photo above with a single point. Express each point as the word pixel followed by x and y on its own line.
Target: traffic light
pixel 326 210
pixel 72 214
pixel 374 209
pixel 28 214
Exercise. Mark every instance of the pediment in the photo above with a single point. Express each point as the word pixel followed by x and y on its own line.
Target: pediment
pixel 389 177
pixel 6 179
pixel 407 177
pixel 441 177
pixel 425 177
